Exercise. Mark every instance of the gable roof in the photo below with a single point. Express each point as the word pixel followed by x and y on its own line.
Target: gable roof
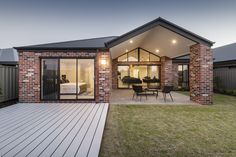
pixel 93 43
pixel 159 22
pixel 9 56
pixel 225 53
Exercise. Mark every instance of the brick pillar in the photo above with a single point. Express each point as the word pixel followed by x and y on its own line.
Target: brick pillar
pixel 175 75
pixel 103 76
pixel 29 79
pixel 201 74
pixel 166 71
pixel 114 74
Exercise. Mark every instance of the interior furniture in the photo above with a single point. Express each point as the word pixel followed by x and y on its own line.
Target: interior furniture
pixel 71 88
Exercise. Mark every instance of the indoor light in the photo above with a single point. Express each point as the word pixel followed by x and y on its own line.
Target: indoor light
pixel 126 50
pixel 157 51
pixel 131 41
pixel 174 41
pixel 104 61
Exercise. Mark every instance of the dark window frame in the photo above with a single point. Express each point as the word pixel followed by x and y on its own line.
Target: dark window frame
pixel 147 65
pixel 58 79
pixel 186 82
pixel 138 51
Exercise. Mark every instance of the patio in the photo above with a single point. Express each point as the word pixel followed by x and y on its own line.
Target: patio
pixel 124 96
pixel 55 129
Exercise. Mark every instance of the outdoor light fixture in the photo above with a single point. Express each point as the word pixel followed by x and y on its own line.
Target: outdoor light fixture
pixel 103 61
pixel 126 50
pixel 174 41
pixel 131 41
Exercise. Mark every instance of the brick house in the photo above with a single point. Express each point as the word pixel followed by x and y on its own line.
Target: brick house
pixel 87 70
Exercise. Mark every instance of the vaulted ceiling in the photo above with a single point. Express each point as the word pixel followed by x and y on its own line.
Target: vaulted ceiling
pixel 159 40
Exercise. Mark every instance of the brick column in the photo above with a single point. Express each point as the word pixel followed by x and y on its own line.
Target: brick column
pixel 201 74
pixel 103 75
pixel 166 71
pixel 114 74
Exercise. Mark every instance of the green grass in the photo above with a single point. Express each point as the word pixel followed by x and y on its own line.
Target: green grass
pixel 158 130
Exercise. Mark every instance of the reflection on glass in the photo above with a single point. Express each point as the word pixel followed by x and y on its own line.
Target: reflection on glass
pixel 67 78
pixel 122 72
pixel 154 58
pixel 144 56
pixel 49 75
pixel 123 58
pixel 133 56
pixel 139 72
pixel 183 77
pixel 85 78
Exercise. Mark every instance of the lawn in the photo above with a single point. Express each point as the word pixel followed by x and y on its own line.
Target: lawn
pixel 158 130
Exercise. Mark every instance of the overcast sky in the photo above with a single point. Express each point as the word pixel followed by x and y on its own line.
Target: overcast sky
pixel 27 22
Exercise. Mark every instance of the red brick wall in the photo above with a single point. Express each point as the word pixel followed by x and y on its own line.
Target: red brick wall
pixel 166 71
pixel 29 73
pixel 175 75
pixel 114 74
pixel 201 74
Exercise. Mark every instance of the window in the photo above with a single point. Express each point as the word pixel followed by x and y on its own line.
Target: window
pixel 138 72
pixel 123 71
pixel 144 56
pixel 67 79
pixel 85 79
pixel 133 56
pixel 183 76
pixel 154 58
pixel 49 77
pixel 138 55
pixel 123 58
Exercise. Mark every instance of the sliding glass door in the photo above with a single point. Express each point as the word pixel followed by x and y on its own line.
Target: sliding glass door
pixel 138 72
pixel 85 79
pixel 49 79
pixel 67 79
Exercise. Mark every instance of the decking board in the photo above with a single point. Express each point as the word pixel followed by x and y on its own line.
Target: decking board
pixel 52 129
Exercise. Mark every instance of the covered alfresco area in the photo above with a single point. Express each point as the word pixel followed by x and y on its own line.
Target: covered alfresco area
pixel 144 56
pixel 124 97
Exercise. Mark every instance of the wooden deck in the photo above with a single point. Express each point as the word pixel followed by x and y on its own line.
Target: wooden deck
pixel 53 129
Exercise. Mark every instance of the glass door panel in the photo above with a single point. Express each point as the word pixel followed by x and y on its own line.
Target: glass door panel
pixel 85 80
pixel 154 74
pixel 68 79
pixel 139 71
pixel 123 71
pixel 49 79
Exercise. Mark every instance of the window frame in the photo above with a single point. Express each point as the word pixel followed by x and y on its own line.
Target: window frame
pixel 138 51
pixel 58 78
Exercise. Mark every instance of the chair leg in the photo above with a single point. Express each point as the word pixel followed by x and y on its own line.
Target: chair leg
pixel 171 97
pixel 164 96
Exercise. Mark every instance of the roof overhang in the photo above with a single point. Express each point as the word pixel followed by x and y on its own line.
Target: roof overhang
pixel 157 34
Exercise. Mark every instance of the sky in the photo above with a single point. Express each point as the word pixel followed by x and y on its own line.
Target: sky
pixel 29 22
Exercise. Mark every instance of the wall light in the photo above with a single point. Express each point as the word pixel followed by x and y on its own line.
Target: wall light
pixel 131 41
pixel 103 61
pixel 126 50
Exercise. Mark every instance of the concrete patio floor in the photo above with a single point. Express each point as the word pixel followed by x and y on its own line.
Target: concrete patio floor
pixel 124 96
pixel 52 129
